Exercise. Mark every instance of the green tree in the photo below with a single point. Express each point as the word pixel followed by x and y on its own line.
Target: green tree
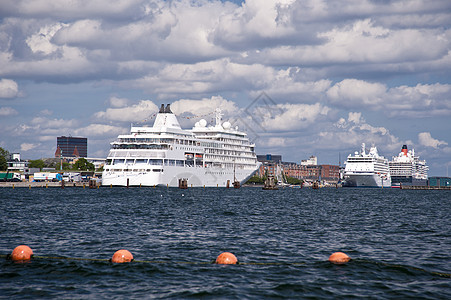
pixel 66 166
pixel 82 165
pixel 4 154
pixel 3 163
pixel 256 180
pixel 295 181
pixel 37 163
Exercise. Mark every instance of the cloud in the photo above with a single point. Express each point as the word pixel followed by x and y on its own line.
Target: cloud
pixel 41 42
pixel 289 117
pixel 351 132
pixel 46 112
pixel 8 111
pixel 73 9
pixel 427 140
pixel 134 113
pixel 204 106
pixel 8 89
pixel 141 40
pixel 422 100
pixel 28 146
pixel 118 102
pixel 99 130
pixel 357 93
pixel 45 123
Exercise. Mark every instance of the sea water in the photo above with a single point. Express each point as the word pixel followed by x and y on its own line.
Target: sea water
pixel 399 242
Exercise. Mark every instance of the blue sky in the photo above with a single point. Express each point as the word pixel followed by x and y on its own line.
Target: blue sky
pixel 302 77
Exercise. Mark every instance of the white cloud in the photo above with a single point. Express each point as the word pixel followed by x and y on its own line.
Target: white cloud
pixel 357 93
pixel 28 146
pixel 351 132
pixel 41 43
pixel 422 100
pixel 69 9
pixel 134 113
pixel 254 21
pixel 355 117
pixel 7 111
pixel 46 112
pixel 99 130
pixel 204 106
pixel 118 102
pixel 427 140
pixel 46 123
pixel 8 88
pixel 276 141
pixel 289 117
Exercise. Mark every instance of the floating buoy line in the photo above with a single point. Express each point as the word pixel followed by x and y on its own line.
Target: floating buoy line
pixel 23 253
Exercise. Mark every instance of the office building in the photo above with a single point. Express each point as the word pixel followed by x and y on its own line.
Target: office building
pixel 68 146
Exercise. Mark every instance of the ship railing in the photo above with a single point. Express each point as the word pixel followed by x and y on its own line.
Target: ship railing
pixel 149 154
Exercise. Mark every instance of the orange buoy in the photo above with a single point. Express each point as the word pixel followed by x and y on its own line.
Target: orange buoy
pixel 226 258
pixel 339 258
pixel 21 252
pixel 121 256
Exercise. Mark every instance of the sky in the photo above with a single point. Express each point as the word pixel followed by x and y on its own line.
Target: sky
pixel 302 78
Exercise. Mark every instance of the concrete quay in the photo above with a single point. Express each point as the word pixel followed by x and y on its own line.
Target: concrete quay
pixel 22 184
pixel 426 187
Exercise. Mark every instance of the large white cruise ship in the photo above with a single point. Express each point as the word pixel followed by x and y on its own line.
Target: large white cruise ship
pixel 408 169
pixel 166 154
pixel 366 169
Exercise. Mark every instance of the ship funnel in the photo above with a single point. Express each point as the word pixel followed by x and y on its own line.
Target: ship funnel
pixel 166 110
pixel 404 150
pixel 166 118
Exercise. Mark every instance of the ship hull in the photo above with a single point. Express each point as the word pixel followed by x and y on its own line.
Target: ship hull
pixel 366 180
pixel 397 181
pixel 169 176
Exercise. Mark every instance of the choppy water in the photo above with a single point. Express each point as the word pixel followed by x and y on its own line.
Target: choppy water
pixel 399 241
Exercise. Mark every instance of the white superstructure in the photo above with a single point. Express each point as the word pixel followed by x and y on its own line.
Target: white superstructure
pixel 408 169
pixel 367 169
pixel 211 156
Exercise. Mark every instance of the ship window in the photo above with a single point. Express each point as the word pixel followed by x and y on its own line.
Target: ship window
pixel 157 162
pixel 118 161
pixel 141 161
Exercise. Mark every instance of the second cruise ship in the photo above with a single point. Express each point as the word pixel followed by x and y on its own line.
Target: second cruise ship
pixel 366 169
pixel 408 169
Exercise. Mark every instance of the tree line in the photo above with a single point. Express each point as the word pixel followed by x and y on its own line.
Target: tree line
pixel 80 165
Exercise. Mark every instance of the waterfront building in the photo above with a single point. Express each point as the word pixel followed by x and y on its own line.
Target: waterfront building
pixel 312 161
pixel 269 165
pixel 68 146
pixel 439 181
pixel 308 170
pixel 15 163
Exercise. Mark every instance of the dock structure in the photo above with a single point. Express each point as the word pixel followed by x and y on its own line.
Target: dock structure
pixel 424 187
pixel 24 184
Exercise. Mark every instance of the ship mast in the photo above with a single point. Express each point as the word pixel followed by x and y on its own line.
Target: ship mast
pixel 218 115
